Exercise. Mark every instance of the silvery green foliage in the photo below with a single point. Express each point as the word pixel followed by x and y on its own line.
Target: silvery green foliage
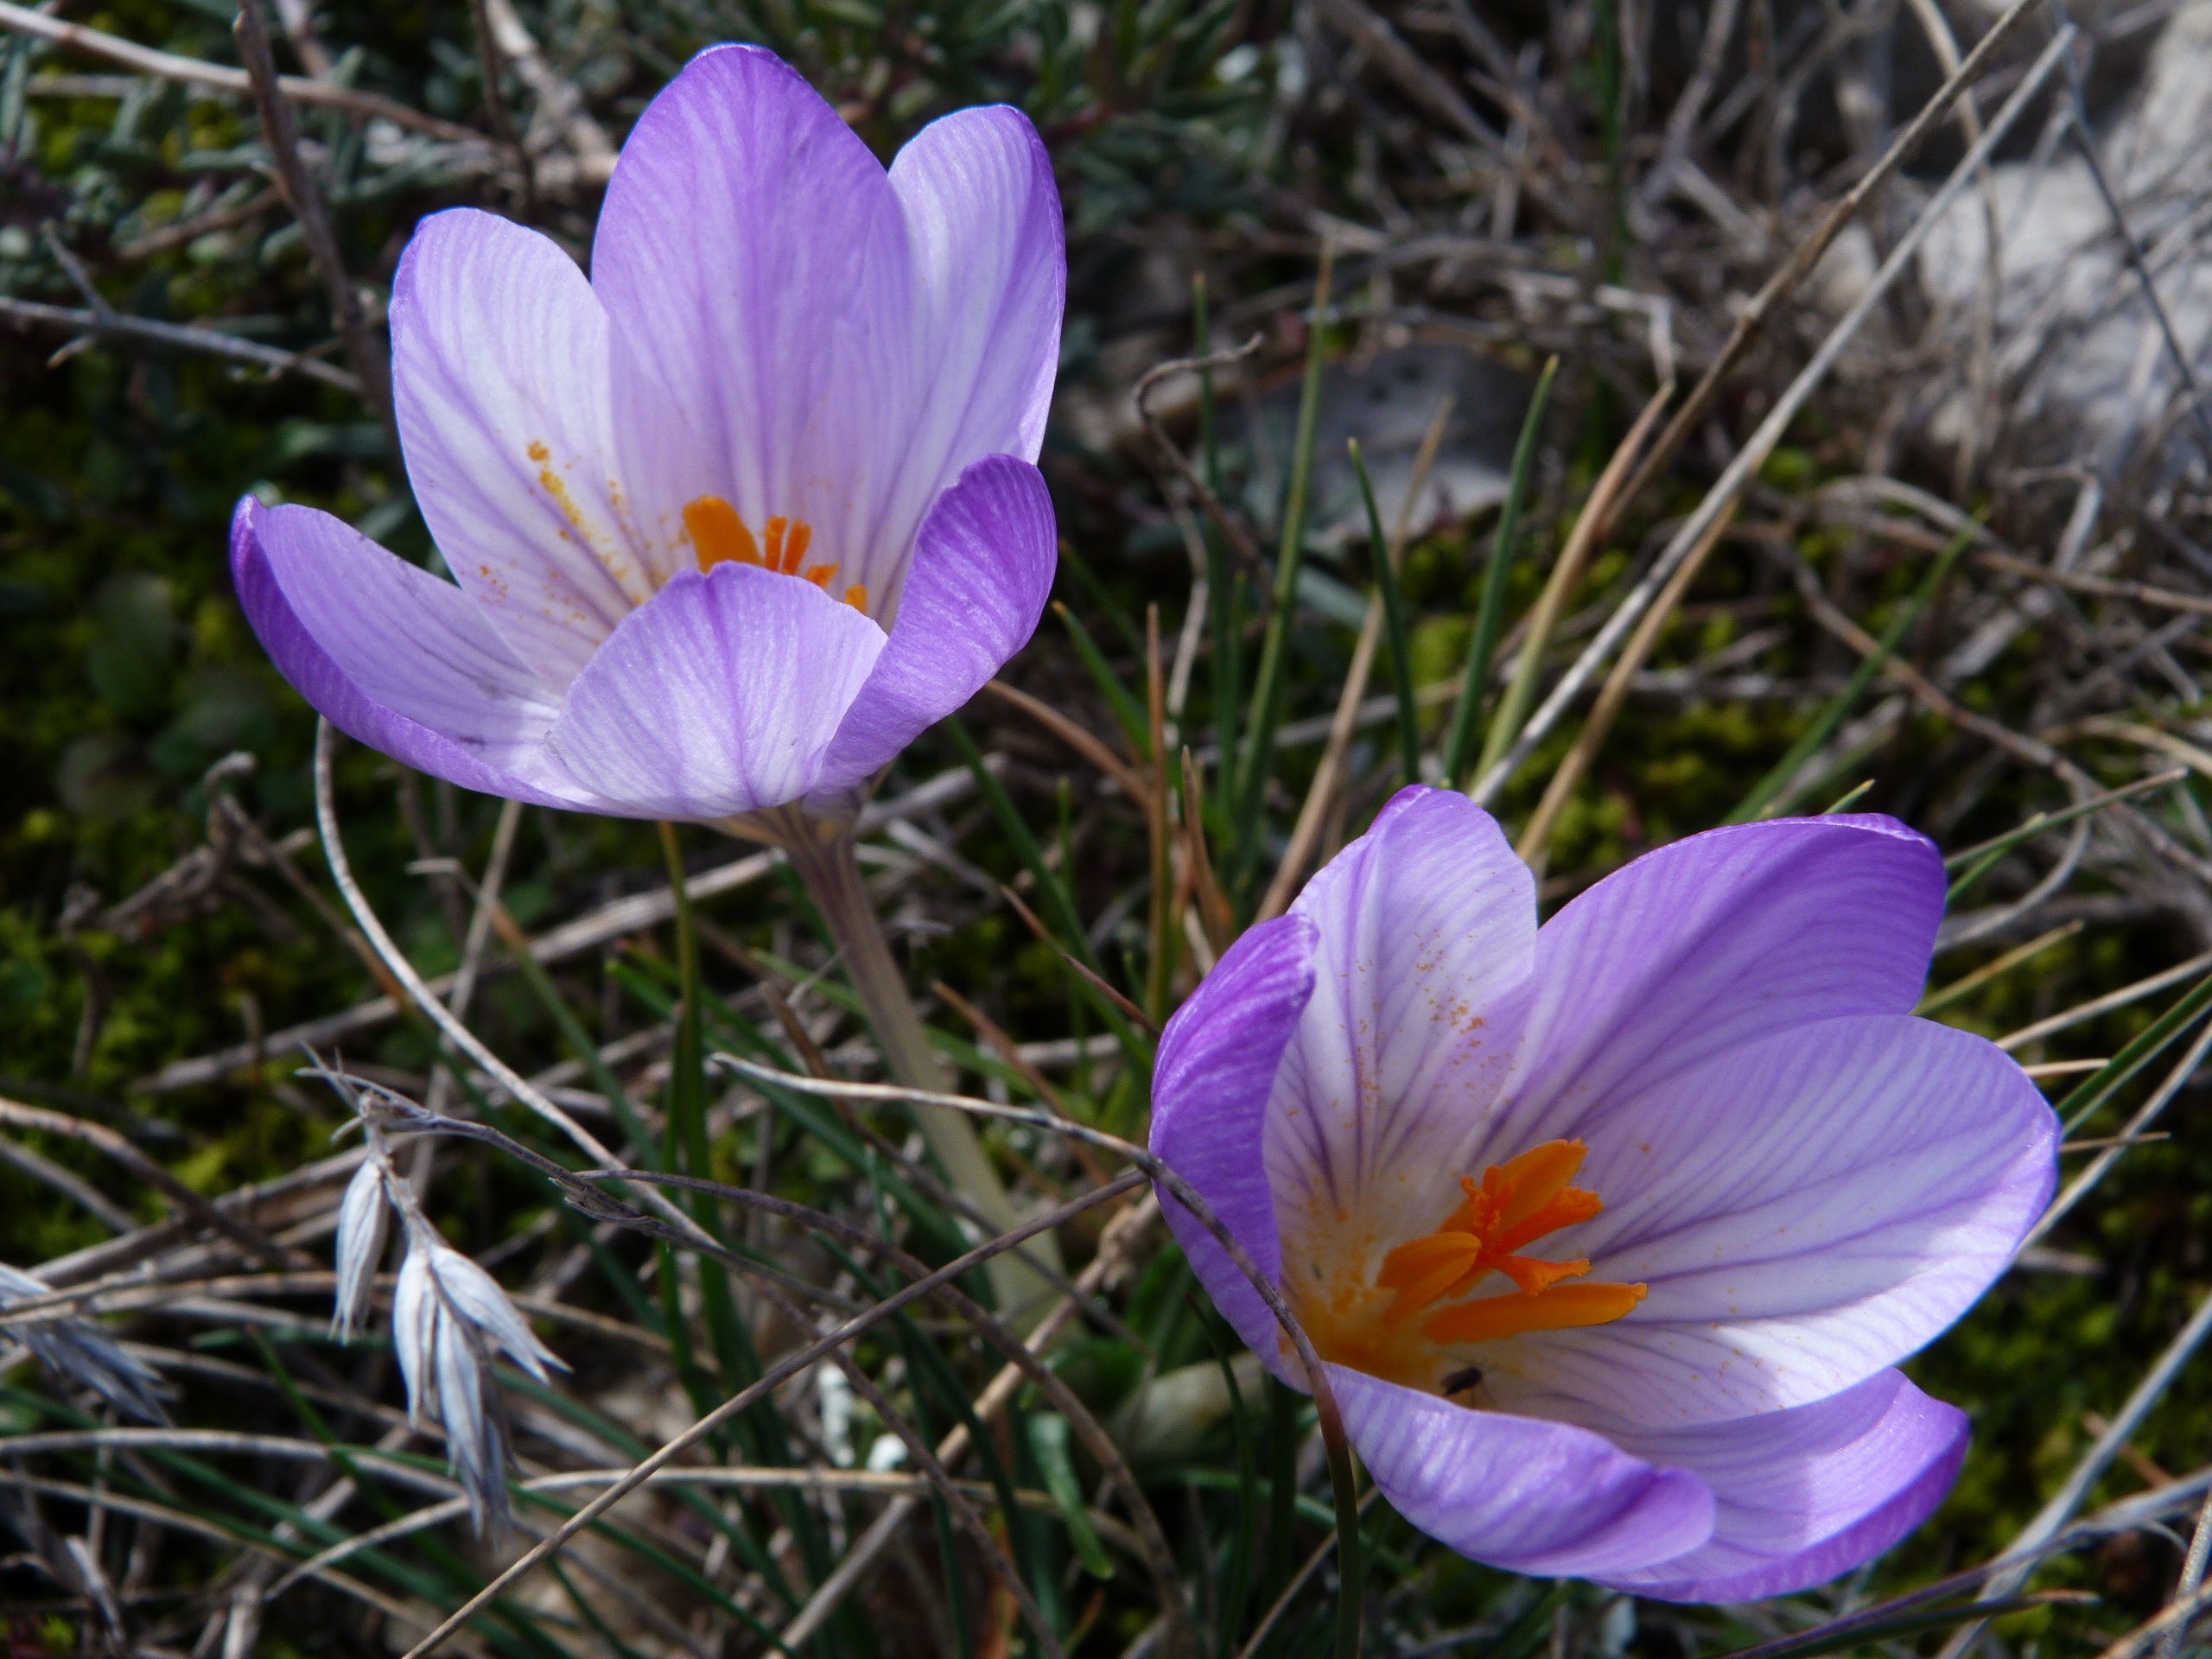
pixel 449 1318
pixel 363 1217
pixel 82 1351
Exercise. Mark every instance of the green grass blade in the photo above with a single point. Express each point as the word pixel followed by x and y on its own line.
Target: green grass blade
pixel 1057 904
pixel 1394 621
pixel 1223 588
pixel 1048 1444
pixel 1268 690
pixel 1489 618
pixel 1832 715
pixel 1126 710
pixel 2099 1085
pixel 1983 856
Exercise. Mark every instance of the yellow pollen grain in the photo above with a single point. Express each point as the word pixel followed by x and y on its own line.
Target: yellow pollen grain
pixel 557 487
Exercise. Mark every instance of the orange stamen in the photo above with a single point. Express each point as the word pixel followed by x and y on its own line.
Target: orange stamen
pixel 1563 1307
pixel 819 574
pixel 718 534
pixel 795 546
pixel 856 596
pixel 1514 1205
pixel 774 538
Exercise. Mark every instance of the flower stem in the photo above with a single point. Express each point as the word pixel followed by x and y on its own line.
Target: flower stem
pixel 1343 1481
pixel 832 874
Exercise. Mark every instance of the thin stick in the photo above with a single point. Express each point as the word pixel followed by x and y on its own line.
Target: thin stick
pixel 186 1201
pixel 773 1377
pixel 1122 1233
pixel 1752 320
pixel 1250 795
pixel 1724 492
pixel 2192 1576
pixel 2080 1187
pixel 2093 1465
pixel 1306 834
pixel 1083 742
pixel 1959 989
pixel 1559 587
pixel 1535 840
pixel 164 66
pixel 371 367
pixel 121 325
pixel 342 872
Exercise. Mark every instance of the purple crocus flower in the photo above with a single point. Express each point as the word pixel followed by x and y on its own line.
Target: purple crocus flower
pixel 733 520
pixel 1612 1233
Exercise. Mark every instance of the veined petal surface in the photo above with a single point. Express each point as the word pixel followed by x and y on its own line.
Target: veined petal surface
pixel 721 696
pixel 983 567
pixel 394 656
pixel 1425 928
pixel 1217 1067
pixel 1807 1494
pixel 753 260
pixel 500 384
pixel 1806 1210
pixel 1715 941
pixel 1536 1498
pixel 988 254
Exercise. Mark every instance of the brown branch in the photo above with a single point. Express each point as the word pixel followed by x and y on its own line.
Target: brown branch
pixel 371 367
pixel 119 324
pixel 165 66
pixel 247 1238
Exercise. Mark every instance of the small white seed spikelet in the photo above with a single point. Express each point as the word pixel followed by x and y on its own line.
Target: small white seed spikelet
pixel 363 1217
pixel 81 1351
pixel 449 1318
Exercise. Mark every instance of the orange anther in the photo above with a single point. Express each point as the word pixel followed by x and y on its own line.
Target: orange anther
pixel 718 534
pixel 819 574
pixel 774 538
pixel 795 547
pixel 856 596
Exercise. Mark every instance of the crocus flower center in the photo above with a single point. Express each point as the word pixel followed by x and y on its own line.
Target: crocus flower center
pixel 1514 1204
pixel 719 536
pixel 1393 1325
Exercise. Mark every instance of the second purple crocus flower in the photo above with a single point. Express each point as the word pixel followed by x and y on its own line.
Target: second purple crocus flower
pixel 734 518
pixel 1612 1233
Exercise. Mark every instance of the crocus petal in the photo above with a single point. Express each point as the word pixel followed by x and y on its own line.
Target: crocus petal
pixel 1526 1496
pixel 1806 1494
pixel 499 379
pixel 990 259
pixel 1806 1211
pixel 720 697
pixel 752 258
pixel 984 566
pixel 1427 927
pixel 1714 941
pixel 1216 1064
pixel 394 656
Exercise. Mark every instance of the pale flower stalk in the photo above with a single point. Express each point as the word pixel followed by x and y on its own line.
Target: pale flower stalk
pixel 731 521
